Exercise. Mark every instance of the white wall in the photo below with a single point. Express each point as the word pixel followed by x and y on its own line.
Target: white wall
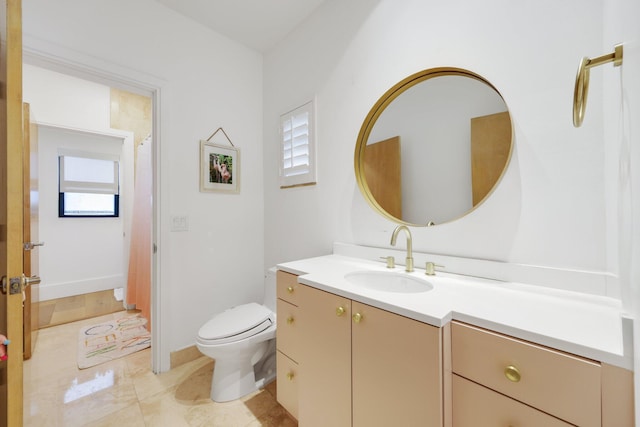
pixel 204 81
pixel 65 100
pixel 549 208
pixel 622 160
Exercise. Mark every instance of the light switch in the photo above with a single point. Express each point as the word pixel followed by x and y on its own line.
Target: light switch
pixel 179 223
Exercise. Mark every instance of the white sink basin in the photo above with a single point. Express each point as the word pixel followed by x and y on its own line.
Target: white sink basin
pixel 388 281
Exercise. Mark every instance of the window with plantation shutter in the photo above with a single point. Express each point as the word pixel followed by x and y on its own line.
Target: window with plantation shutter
pixel 297 147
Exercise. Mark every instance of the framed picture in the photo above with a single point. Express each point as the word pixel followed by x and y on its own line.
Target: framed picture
pixel 219 168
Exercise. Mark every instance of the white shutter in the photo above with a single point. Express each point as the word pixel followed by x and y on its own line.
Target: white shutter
pixel 297 153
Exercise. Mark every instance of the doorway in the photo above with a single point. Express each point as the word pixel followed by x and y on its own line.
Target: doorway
pixel 121 94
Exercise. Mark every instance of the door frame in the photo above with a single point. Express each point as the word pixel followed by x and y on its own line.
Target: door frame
pixel 55 58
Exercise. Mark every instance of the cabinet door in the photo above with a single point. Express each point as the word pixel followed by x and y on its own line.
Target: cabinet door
pixel 325 359
pixel 287 383
pixel 397 378
pixel 287 331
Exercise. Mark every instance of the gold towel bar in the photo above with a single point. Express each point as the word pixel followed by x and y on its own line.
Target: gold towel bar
pixel 582 81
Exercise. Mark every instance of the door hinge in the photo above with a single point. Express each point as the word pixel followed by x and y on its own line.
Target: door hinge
pixel 29 246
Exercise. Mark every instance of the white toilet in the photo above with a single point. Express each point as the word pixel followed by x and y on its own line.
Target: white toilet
pixel 242 342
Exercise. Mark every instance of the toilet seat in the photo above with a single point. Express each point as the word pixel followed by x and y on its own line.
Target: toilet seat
pixel 236 324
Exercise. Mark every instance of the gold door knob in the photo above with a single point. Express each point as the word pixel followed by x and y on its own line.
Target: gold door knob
pixel 340 311
pixel 289 320
pixel 357 317
pixel 290 376
pixel 290 289
pixel 512 373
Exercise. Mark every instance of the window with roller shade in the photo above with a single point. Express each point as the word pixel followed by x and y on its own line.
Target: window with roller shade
pixel 88 185
pixel 297 147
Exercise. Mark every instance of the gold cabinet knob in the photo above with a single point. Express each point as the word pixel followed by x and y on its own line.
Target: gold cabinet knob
pixel 340 311
pixel 357 317
pixel 289 320
pixel 512 373
pixel 290 376
pixel 290 289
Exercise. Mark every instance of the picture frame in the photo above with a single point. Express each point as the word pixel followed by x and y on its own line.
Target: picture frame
pixel 219 168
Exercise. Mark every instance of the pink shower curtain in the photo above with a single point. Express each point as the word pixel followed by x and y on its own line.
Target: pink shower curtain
pixel 139 277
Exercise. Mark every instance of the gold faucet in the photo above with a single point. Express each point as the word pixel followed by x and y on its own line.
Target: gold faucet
pixel 409 258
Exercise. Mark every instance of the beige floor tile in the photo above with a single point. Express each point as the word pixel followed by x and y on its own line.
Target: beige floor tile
pixel 45 311
pixel 161 409
pixel 126 392
pixel 67 315
pixel 147 383
pixel 196 387
pixel 232 414
pixel 131 416
pixel 98 405
pixel 70 303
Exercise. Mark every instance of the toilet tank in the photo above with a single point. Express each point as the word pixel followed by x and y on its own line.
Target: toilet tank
pixel 270 289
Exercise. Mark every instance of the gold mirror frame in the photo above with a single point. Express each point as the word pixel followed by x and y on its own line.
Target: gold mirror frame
pixel 380 106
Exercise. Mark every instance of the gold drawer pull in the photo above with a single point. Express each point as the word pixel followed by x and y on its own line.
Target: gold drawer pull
pixel 512 373
pixel 357 317
pixel 340 311
pixel 289 320
pixel 290 376
pixel 290 289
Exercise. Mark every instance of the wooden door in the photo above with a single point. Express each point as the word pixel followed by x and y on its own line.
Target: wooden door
pixel 325 359
pixel 11 201
pixel 397 370
pixel 30 229
pixel 490 151
pixel 383 172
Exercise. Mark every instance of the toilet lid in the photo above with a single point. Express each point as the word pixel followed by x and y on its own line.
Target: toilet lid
pixel 236 323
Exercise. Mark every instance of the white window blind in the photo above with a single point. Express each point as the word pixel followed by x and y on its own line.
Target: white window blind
pixel 88 174
pixel 297 153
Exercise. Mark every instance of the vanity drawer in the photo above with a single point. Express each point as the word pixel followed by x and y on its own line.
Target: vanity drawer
pixel 287 384
pixel 477 406
pixel 287 287
pixel 287 329
pixel 560 384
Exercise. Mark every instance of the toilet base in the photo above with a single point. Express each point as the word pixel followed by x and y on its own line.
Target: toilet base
pixel 231 381
pixel 234 379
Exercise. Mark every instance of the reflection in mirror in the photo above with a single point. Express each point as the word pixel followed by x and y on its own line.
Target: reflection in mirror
pixel 433 147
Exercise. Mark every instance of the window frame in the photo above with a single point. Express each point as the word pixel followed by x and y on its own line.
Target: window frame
pixel 78 187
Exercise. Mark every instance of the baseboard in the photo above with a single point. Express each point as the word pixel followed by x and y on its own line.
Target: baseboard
pixel 180 357
pixel 49 291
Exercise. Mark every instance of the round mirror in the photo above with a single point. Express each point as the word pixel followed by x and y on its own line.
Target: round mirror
pixel 433 147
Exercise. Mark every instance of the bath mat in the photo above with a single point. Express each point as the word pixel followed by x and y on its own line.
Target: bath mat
pixel 110 340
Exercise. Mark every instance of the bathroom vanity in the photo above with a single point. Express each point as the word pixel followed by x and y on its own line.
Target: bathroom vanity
pixel 361 343
pixel 465 352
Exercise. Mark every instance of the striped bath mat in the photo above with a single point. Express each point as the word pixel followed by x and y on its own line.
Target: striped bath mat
pixel 110 340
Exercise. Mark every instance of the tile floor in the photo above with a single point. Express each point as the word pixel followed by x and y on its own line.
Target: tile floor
pixel 69 309
pixel 126 393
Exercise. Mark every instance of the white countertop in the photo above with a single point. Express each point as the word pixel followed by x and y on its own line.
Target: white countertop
pixel 590 326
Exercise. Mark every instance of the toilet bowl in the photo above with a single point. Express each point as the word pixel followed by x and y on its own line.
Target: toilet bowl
pixel 241 340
